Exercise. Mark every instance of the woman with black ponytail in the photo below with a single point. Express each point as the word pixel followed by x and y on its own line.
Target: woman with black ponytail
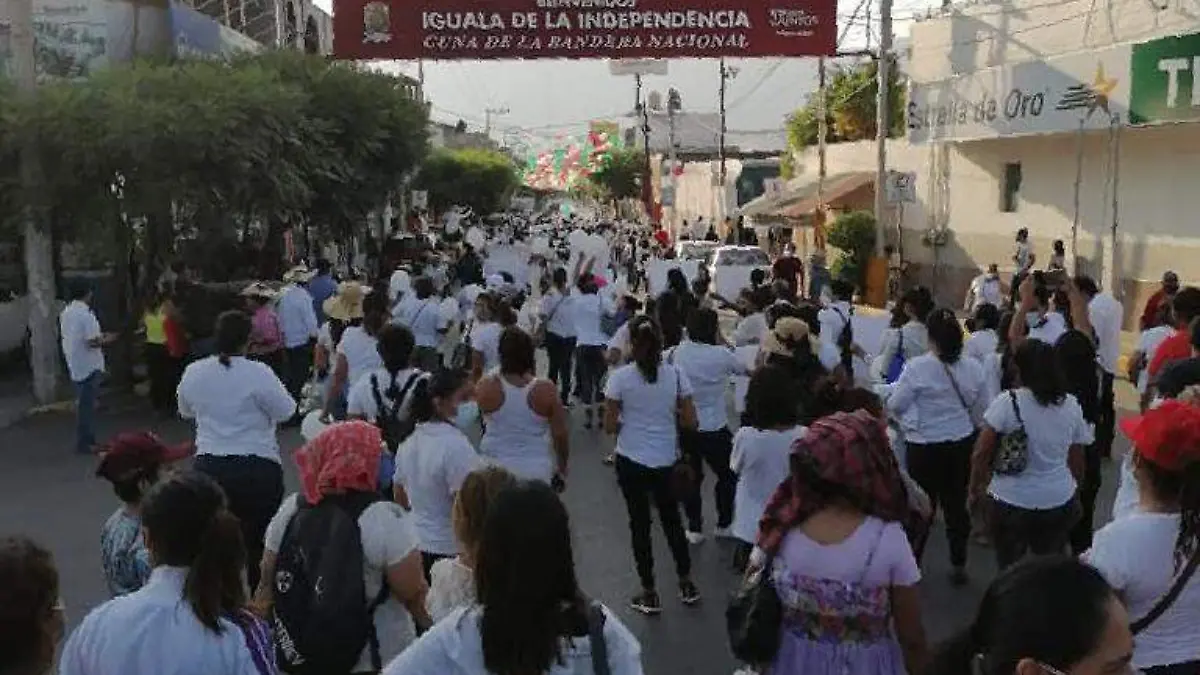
pixel 190 616
pixel 1149 553
pixel 646 403
pixel 237 404
pixel 1045 616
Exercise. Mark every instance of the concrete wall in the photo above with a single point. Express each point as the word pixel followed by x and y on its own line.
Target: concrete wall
pixel 960 185
pixel 966 38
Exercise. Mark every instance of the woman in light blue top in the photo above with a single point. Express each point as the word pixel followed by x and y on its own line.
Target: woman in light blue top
pixel 188 619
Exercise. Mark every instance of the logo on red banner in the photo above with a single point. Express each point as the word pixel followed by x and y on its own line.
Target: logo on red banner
pixel 579 29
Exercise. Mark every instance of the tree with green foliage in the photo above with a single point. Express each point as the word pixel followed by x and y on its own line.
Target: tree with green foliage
pixel 481 179
pixel 620 175
pixel 212 161
pixel 850 108
pixel 852 233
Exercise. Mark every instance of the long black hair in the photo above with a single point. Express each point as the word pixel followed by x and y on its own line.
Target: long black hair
pixel 428 389
pixel 1051 609
pixel 395 346
pixel 646 345
pixel 232 335
pixel 525 581
pixel 188 524
pixel 946 334
pixel 375 313
pixel 769 400
pixel 1077 359
pixel 1038 368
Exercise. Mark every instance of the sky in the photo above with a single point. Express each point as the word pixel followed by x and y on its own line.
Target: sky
pixel 549 98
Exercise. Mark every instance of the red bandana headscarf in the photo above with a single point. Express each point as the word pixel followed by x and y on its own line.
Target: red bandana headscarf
pixel 342 458
pixel 850 450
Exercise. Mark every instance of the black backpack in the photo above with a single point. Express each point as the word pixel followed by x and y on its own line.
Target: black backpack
pixel 322 620
pixel 392 426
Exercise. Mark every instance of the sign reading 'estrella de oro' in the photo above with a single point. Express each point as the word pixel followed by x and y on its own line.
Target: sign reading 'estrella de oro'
pixel 1146 83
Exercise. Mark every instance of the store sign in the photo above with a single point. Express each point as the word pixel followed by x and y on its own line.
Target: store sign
pixel 623 67
pixel 1166 80
pixel 579 29
pixel 1036 97
pixel 195 34
pixel 901 187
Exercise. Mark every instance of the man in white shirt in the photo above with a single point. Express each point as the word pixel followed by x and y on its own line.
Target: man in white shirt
pixel 82 342
pixel 298 322
pixel 1106 315
pixel 986 289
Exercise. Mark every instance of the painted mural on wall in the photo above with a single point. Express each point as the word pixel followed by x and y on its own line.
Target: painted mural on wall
pixel 70 37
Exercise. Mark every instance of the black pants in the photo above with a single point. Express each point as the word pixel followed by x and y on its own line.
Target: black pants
pixel 559 352
pixel 297 368
pixel 1081 534
pixel 640 485
pixel 427 561
pixel 591 373
pixel 163 371
pixel 1106 425
pixel 713 448
pixel 942 470
pixel 1016 531
pixel 254 488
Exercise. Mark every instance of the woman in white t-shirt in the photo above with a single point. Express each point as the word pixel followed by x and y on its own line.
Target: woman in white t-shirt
pixel 761 452
pixel 432 463
pixel 531 616
pixel 424 318
pixel 340 466
pixel 937 401
pixel 485 335
pixel 526 425
pixel 646 402
pixel 709 365
pixel 1145 553
pixel 910 339
pixel 357 351
pixel 588 308
pixel 983 340
pixel 1033 506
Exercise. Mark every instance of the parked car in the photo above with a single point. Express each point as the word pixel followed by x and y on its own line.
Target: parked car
pixel 730 268
pixel 694 249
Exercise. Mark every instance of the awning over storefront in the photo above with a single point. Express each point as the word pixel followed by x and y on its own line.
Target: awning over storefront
pixel 800 199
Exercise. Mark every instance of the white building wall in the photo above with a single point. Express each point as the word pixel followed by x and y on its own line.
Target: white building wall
pixel 970 37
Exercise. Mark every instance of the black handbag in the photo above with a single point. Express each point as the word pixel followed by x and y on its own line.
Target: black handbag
pixel 754 617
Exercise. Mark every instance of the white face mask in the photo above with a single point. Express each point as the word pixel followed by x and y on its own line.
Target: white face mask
pixel 466 414
pixel 1033 318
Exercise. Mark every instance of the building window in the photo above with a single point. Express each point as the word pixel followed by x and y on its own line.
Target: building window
pixel 1010 190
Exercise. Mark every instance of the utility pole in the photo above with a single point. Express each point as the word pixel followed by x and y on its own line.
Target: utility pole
pixel 882 121
pixel 487 118
pixel 643 115
pixel 674 105
pixel 822 136
pixel 39 247
pixel 724 73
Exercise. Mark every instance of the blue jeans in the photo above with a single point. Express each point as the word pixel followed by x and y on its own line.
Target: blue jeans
pixel 85 412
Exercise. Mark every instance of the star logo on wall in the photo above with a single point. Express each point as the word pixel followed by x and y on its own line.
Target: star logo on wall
pixel 1092 96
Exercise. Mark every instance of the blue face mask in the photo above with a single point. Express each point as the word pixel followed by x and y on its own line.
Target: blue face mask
pixel 466 415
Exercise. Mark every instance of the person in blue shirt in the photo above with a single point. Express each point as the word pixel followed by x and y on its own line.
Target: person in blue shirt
pixel 321 288
pixel 132 462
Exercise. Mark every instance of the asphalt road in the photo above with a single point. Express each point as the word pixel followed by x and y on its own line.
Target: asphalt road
pixel 49 493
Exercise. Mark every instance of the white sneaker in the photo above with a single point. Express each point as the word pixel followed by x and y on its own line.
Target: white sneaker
pixel 722 533
pixel 694 537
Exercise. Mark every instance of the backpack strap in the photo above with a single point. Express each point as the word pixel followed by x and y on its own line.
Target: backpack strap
pixel 373 635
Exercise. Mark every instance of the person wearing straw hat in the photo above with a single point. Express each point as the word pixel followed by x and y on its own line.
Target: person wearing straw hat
pixel 266 334
pixel 298 321
pixel 363 314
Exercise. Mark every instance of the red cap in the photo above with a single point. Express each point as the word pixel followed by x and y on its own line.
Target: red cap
pixel 131 453
pixel 1168 435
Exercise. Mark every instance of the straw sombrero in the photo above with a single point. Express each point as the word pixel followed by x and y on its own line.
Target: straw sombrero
pixel 258 290
pixel 347 303
pixel 299 274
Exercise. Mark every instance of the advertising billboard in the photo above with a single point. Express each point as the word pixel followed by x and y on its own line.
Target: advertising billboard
pixel 579 29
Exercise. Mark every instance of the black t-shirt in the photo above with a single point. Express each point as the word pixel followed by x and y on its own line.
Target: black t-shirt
pixel 1178 376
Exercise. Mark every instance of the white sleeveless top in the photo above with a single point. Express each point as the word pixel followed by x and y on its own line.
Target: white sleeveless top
pixel 517 438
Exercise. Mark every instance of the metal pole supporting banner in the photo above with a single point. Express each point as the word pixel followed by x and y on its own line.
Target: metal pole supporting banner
pixel 1078 190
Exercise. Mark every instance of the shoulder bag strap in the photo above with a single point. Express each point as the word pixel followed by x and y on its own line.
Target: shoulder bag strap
pixel 377 395
pixel 871 554
pixel 595 617
pixel 1012 396
pixel 1164 603
pixel 958 392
